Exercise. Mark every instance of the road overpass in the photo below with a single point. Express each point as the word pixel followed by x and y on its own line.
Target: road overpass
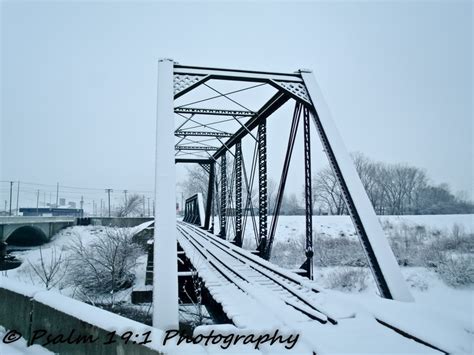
pixel 32 230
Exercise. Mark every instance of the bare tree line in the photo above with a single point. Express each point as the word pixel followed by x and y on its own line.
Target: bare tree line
pixel 393 189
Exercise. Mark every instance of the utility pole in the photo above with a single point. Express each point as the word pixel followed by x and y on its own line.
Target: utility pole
pixel 82 205
pixel 148 207
pixel 101 207
pixel 5 205
pixel 143 200
pixel 37 201
pixel 11 186
pixel 125 192
pixel 44 198
pixel 108 192
pixel 57 195
pixel 18 198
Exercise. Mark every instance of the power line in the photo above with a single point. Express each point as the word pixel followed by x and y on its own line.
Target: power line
pixel 75 187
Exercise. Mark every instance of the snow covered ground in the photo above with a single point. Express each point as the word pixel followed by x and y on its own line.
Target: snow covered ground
pixel 431 293
pixel 18 346
pixel 294 226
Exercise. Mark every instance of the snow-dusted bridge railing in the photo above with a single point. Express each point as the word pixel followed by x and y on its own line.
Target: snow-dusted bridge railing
pixel 194 210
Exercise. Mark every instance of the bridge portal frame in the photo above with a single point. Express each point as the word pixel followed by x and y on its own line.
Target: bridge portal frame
pixel 301 86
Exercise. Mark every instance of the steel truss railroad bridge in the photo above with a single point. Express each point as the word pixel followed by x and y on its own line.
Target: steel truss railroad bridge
pixel 203 117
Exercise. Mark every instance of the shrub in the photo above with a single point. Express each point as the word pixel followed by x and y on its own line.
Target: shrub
pixel 289 253
pixel 338 251
pixel 104 266
pixel 418 281
pixel 348 279
pixel 457 271
pixel 431 255
pixel 406 250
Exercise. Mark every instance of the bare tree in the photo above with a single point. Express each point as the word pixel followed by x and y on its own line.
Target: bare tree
pixel 50 272
pixel 290 205
pixel 131 206
pixel 392 188
pixel 197 180
pixel 326 192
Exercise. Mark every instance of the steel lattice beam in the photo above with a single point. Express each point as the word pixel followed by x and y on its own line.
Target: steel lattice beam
pixel 223 216
pixel 182 133
pixel 194 147
pixel 192 160
pixel 262 186
pixel 213 112
pixel 308 264
pixel 238 194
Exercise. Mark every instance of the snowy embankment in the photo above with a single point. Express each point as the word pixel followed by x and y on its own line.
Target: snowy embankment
pixel 294 226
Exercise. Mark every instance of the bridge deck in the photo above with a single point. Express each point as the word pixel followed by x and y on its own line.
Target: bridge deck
pixel 257 294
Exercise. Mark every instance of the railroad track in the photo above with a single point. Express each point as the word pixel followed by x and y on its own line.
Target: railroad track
pixel 245 273
pixel 248 272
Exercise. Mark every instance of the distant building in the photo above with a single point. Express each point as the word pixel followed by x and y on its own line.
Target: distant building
pixel 52 212
pixel 62 202
pixel 71 204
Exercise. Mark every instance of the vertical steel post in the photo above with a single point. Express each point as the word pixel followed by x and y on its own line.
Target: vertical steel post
pixel 223 216
pixel 210 195
pixel 308 264
pixel 238 193
pixel 262 187
pixel 165 269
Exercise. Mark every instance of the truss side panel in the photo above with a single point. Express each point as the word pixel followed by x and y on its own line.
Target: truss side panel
pixel 382 261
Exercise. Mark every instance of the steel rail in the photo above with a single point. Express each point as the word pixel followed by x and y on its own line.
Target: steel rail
pixel 313 313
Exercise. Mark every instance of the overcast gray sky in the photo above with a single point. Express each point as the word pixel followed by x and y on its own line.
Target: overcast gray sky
pixel 79 81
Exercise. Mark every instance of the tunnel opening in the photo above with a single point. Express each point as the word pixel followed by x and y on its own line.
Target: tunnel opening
pixel 27 236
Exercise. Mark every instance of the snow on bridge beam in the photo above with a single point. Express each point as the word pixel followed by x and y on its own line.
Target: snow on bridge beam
pixel 236 74
pixel 165 270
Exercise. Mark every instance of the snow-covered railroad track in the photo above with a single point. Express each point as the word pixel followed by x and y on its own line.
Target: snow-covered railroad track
pixel 255 273
pixel 253 292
